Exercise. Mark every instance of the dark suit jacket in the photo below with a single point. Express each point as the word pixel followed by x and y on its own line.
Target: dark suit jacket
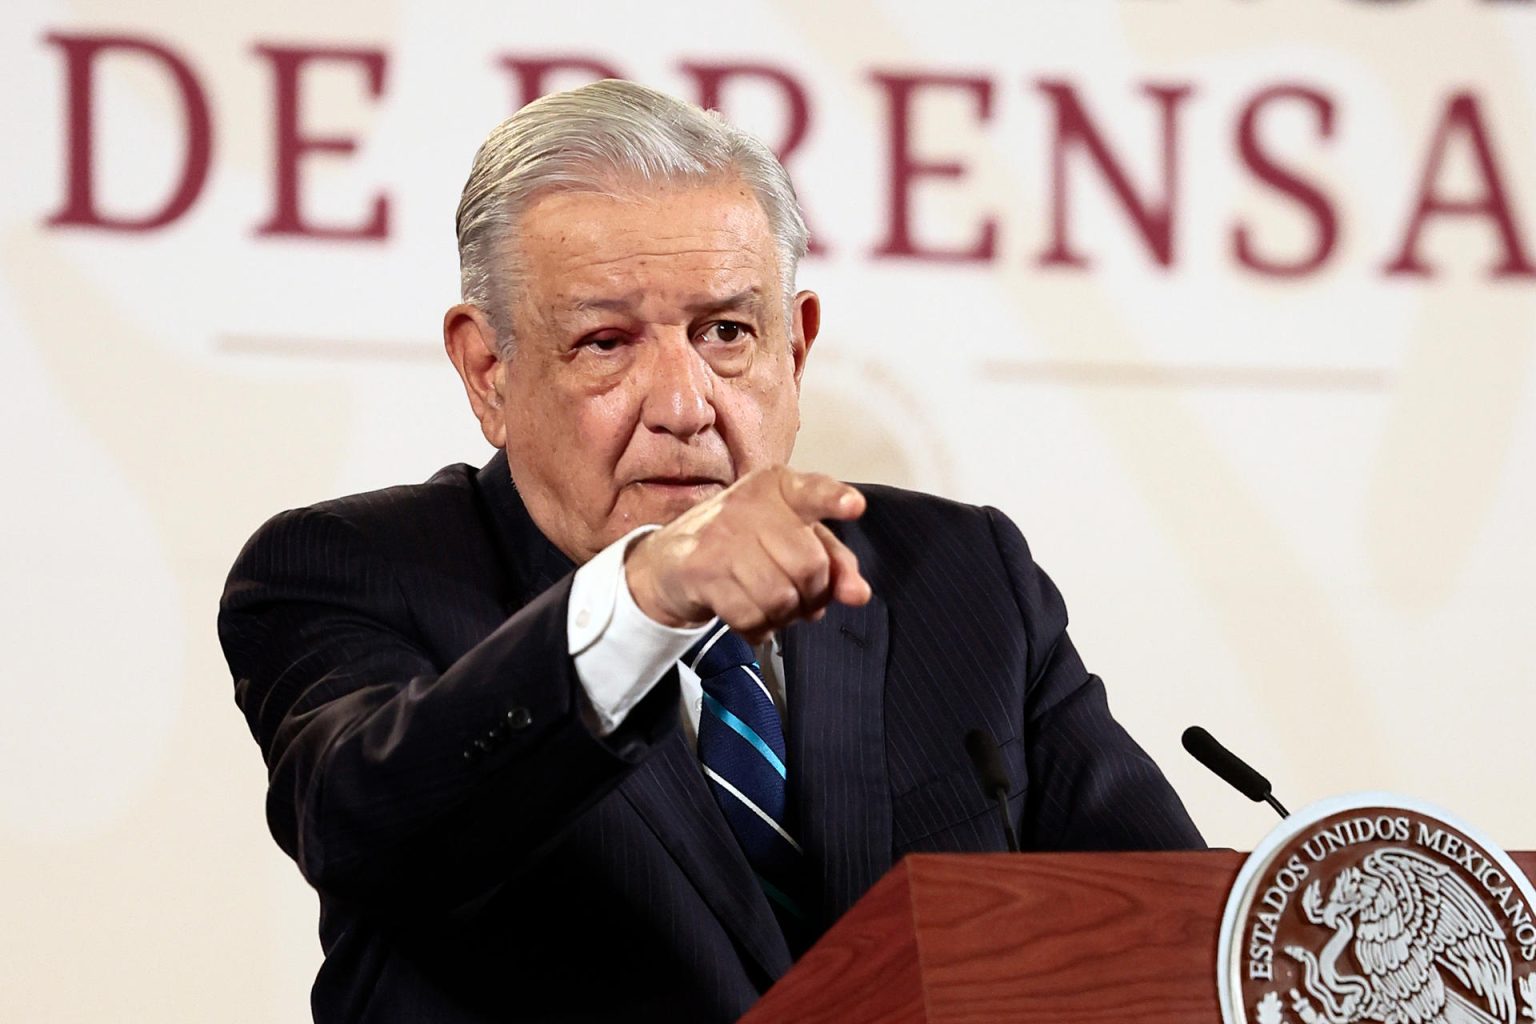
pixel 481 856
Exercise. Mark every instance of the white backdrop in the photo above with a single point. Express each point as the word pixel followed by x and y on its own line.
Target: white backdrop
pixel 1294 508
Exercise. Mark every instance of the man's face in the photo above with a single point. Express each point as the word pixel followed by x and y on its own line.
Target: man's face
pixel 653 364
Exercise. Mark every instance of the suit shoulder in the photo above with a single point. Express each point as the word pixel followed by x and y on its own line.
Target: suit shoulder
pixel 894 513
pixel 400 520
pixel 448 492
pixel 909 534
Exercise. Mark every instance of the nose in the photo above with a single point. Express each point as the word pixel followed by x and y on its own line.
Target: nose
pixel 680 389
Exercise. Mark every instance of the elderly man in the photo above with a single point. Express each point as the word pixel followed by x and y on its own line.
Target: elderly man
pixel 612 728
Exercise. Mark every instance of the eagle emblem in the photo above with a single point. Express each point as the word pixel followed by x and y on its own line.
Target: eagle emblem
pixel 1407 922
pixel 1376 908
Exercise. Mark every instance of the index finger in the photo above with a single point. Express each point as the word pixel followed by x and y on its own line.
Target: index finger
pixel 816 496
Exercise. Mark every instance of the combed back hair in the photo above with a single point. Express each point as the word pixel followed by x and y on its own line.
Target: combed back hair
pixel 610 138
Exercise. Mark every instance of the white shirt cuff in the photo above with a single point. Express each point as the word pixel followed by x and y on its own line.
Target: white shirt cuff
pixel 620 652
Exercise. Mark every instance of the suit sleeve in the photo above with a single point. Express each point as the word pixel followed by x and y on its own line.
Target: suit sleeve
pixel 1091 786
pixel 390 783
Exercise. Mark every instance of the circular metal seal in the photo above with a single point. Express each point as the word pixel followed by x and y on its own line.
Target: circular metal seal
pixel 1374 907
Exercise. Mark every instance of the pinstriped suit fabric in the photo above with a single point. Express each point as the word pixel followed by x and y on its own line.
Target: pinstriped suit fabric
pixel 480 856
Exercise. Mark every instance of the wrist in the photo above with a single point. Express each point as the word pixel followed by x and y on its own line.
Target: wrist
pixel 640 579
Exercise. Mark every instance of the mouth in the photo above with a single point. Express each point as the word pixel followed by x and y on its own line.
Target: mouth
pixel 661 499
pixel 681 483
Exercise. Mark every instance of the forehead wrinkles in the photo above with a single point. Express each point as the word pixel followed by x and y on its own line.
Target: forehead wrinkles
pixel 670 286
pixel 619 269
pixel 597 230
pixel 627 251
pixel 662 252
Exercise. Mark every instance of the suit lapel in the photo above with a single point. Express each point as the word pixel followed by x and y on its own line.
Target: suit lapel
pixel 835 677
pixel 532 563
pixel 668 791
pixel 667 788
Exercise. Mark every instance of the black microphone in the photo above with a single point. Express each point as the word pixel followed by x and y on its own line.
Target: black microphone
pixel 1232 770
pixel 993 776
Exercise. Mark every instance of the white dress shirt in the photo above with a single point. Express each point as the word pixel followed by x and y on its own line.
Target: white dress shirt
pixel 621 652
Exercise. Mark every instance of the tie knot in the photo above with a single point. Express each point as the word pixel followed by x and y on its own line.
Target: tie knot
pixel 719 650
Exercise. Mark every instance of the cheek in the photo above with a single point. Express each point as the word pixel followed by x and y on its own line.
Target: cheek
pixel 594 432
pixel 605 422
pixel 761 420
pixel 571 435
pixel 575 413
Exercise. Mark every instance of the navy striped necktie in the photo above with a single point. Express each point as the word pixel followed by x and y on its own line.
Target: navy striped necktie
pixel 741 746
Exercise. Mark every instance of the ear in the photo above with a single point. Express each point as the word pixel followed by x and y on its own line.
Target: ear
pixel 471 343
pixel 804 328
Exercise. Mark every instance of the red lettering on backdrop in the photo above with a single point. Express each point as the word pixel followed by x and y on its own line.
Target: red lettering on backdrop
pixel 1463 118
pixel 1154 217
pixel 291 145
pixel 711 79
pixel 532 73
pixel 80 53
pixel 1306 195
pixel 906 169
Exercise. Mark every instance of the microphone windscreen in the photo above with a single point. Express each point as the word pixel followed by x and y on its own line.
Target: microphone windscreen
pixel 1226 764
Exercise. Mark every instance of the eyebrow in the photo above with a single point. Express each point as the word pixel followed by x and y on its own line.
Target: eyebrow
pixel 746 298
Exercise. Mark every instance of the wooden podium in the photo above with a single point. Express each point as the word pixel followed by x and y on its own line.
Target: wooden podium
pixel 1106 938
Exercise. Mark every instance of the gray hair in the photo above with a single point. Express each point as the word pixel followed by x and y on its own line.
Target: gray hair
pixel 603 138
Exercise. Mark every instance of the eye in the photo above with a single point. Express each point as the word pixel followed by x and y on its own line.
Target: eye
pixel 602 342
pixel 725 331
